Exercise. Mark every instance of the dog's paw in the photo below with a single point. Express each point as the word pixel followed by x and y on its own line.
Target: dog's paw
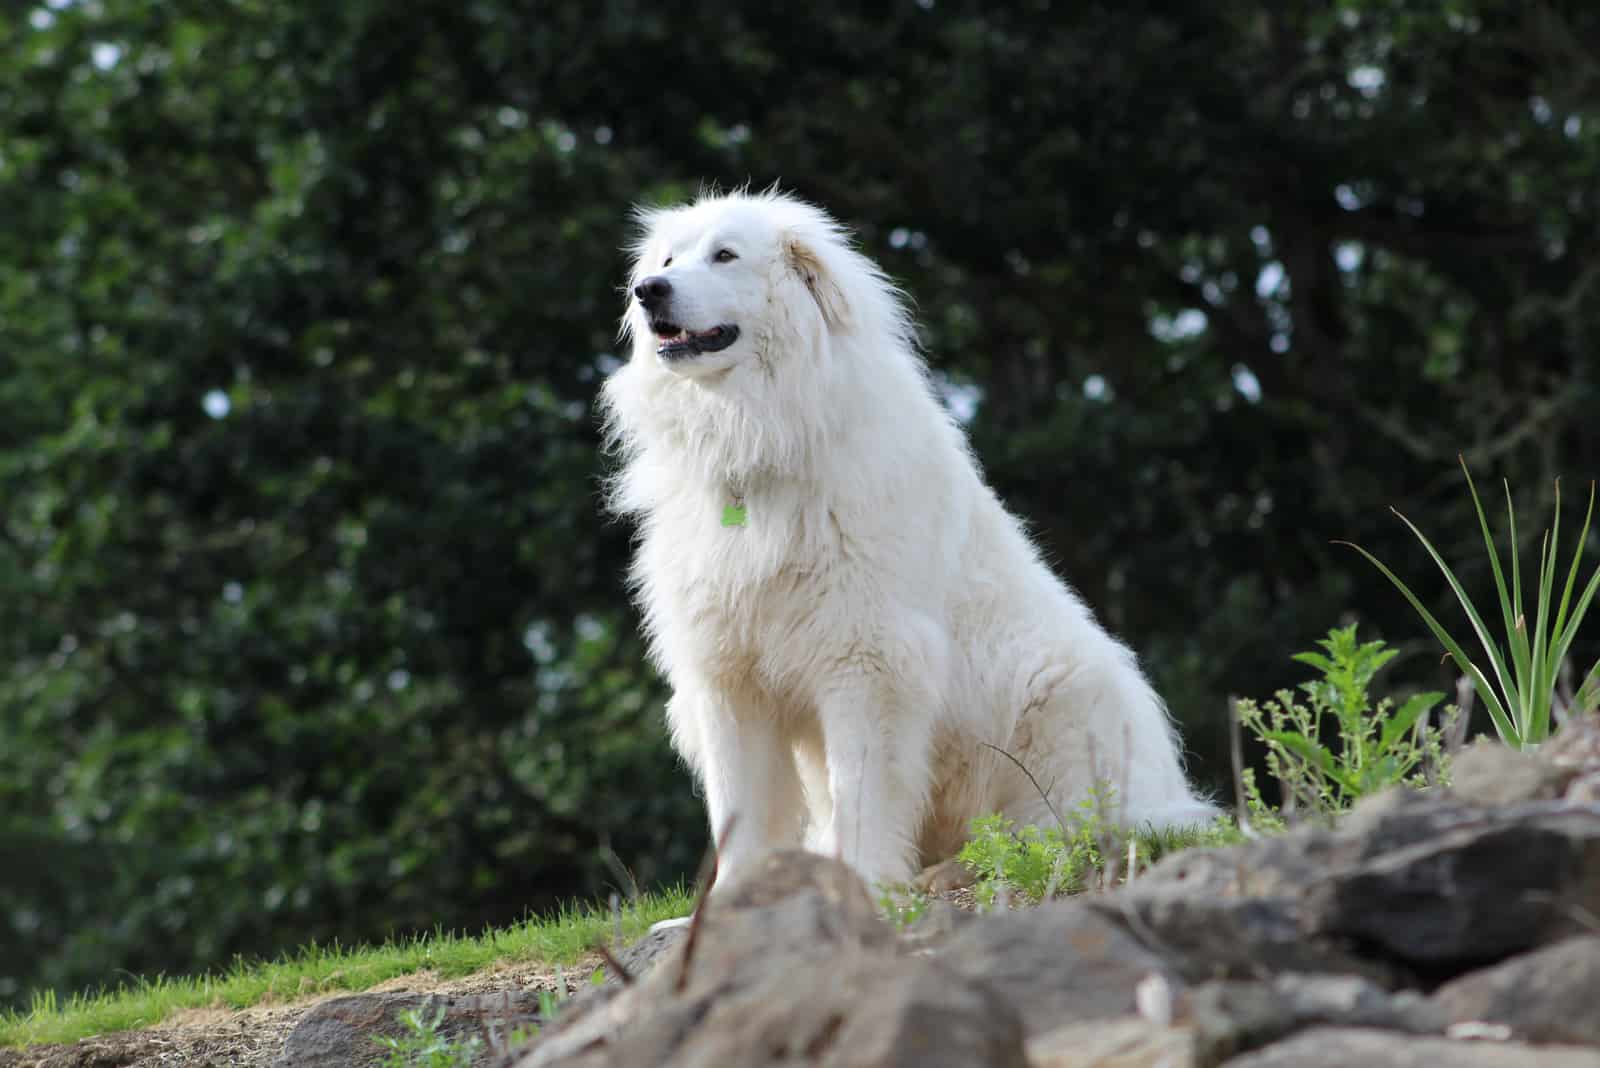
pixel 667 925
pixel 944 877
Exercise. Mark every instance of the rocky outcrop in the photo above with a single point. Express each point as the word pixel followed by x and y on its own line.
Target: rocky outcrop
pixel 1454 928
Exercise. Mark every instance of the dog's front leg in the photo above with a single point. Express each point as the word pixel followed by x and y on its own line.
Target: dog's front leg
pixel 748 775
pixel 877 759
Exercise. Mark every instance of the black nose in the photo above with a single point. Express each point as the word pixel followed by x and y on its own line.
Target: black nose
pixel 653 290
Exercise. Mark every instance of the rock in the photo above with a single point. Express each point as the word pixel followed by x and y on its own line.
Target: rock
pixel 931 932
pixel 1124 1042
pixel 643 955
pixel 1232 1017
pixel 876 1011
pixel 1488 772
pixel 1442 886
pixel 1062 962
pixel 1338 1047
pixel 344 1031
pixel 1552 995
pixel 797 903
pixel 789 930
pixel 1309 948
pixel 787 874
pixel 1412 886
pixel 1576 751
pixel 1203 938
pixel 1277 867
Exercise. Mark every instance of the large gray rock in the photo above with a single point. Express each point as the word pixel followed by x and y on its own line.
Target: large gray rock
pixel 1202 938
pixel 1441 886
pixel 1552 995
pixel 1229 1018
pixel 1411 887
pixel 1488 772
pixel 863 1010
pixel 1061 962
pixel 1336 1047
pixel 792 966
pixel 345 1031
pixel 1125 1042
pixel 644 954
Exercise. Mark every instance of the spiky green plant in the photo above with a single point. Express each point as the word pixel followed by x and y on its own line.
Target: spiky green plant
pixel 1525 668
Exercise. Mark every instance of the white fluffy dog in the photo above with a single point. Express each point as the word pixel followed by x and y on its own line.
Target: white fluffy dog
pixel 848 617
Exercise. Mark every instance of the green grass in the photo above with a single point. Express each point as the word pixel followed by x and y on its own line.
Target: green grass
pixel 560 939
pixel 1036 864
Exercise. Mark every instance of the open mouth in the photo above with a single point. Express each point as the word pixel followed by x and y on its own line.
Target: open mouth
pixel 673 342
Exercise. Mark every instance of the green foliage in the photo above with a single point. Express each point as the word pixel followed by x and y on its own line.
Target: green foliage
pixel 1523 688
pixel 1034 864
pixel 902 906
pixel 1371 748
pixel 1031 861
pixel 424 1047
pixel 309 628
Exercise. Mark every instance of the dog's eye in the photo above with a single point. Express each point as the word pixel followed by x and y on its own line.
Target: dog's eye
pixel 726 255
pixel 668 262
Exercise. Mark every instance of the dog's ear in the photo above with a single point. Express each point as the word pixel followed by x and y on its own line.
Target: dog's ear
pixel 813 270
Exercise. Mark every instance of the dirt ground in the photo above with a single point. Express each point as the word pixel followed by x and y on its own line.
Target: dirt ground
pixel 251 1038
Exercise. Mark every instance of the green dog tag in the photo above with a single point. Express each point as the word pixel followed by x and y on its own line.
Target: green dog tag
pixel 734 515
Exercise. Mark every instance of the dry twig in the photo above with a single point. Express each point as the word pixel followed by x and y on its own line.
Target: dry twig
pixel 707 879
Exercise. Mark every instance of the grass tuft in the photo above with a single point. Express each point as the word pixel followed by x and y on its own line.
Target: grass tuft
pixel 1526 657
pixel 1035 864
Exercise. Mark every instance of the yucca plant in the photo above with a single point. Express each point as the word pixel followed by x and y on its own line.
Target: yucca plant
pixel 1525 666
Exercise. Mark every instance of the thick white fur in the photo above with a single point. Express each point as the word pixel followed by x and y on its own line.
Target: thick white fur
pixel 838 662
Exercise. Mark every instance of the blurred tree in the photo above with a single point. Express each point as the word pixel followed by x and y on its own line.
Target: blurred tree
pixel 308 624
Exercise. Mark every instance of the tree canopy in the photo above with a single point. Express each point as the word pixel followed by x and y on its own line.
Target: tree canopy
pixel 310 624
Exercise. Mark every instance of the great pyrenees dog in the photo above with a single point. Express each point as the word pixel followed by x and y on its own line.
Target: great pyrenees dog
pixel 862 644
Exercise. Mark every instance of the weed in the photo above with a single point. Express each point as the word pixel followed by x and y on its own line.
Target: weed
pixel 1526 679
pixel 424 1047
pixel 902 906
pixel 1375 747
pixel 1036 863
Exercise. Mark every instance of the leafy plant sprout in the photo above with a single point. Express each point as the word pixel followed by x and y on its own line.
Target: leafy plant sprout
pixel 1373 747
pixel 1525 668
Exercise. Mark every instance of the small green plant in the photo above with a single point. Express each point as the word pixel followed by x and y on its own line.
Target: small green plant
pixel 424 1047
pixel 549 1005
pixel 1033 863
pixel 902 906
pixel 1374 747
pixel 1526 677
pixel 1029 861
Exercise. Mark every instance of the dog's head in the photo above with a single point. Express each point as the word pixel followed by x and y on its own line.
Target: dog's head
pixel 715 283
